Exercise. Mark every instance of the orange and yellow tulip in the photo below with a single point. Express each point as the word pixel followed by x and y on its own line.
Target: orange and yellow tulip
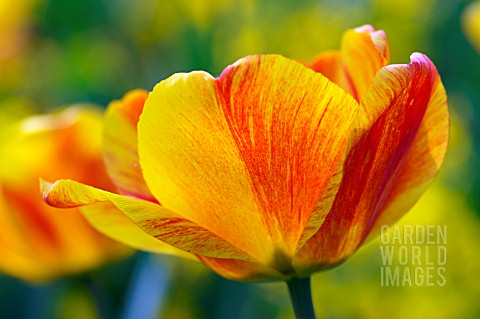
pixel 36 242
pixel 275 169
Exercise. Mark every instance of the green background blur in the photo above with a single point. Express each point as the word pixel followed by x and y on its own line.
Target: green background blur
pixel 65 52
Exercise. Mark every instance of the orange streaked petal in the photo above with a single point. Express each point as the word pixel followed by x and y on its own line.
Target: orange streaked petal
pixel 363 52
pixel 373 165
pixel 242 270
pixel 424 159
pixel 261 133
pixel 282 117
pixel 111 222
pixel 152 218
pixel 120 145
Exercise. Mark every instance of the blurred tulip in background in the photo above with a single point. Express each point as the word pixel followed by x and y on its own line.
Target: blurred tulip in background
pixel 471 24
pixel 36 243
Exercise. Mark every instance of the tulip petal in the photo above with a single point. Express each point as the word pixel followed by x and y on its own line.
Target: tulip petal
pixel 322 208
pixel 249 154
pixel 364 51
pixel 375 162
pixel 242 270
pixel 120 144
pixel 419 169
pixel 330 64
pixel 281 116
pixel 111 222
pixel 152 218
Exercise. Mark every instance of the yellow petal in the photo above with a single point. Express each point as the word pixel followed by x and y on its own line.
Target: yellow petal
pixel 249 154
pixel 120 145
pixel 110 221
pixel 152 218
pixel 192 166
pixel 363 52
pixel 242 270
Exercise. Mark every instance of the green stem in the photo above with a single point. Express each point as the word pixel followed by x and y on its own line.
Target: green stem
pixel 301 296
pixel 99 297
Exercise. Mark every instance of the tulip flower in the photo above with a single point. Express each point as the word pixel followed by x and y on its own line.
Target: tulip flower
pixel 37 243
pixel 276 169
pixel 471 24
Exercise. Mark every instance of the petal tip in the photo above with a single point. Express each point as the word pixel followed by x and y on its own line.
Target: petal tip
pixel 374 33
pixel 420 58
pixel 183 76
pixel 365 28
pixel 46 189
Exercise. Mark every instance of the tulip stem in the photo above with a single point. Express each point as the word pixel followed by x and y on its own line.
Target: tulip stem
pixel 98 295
pixel 301 296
